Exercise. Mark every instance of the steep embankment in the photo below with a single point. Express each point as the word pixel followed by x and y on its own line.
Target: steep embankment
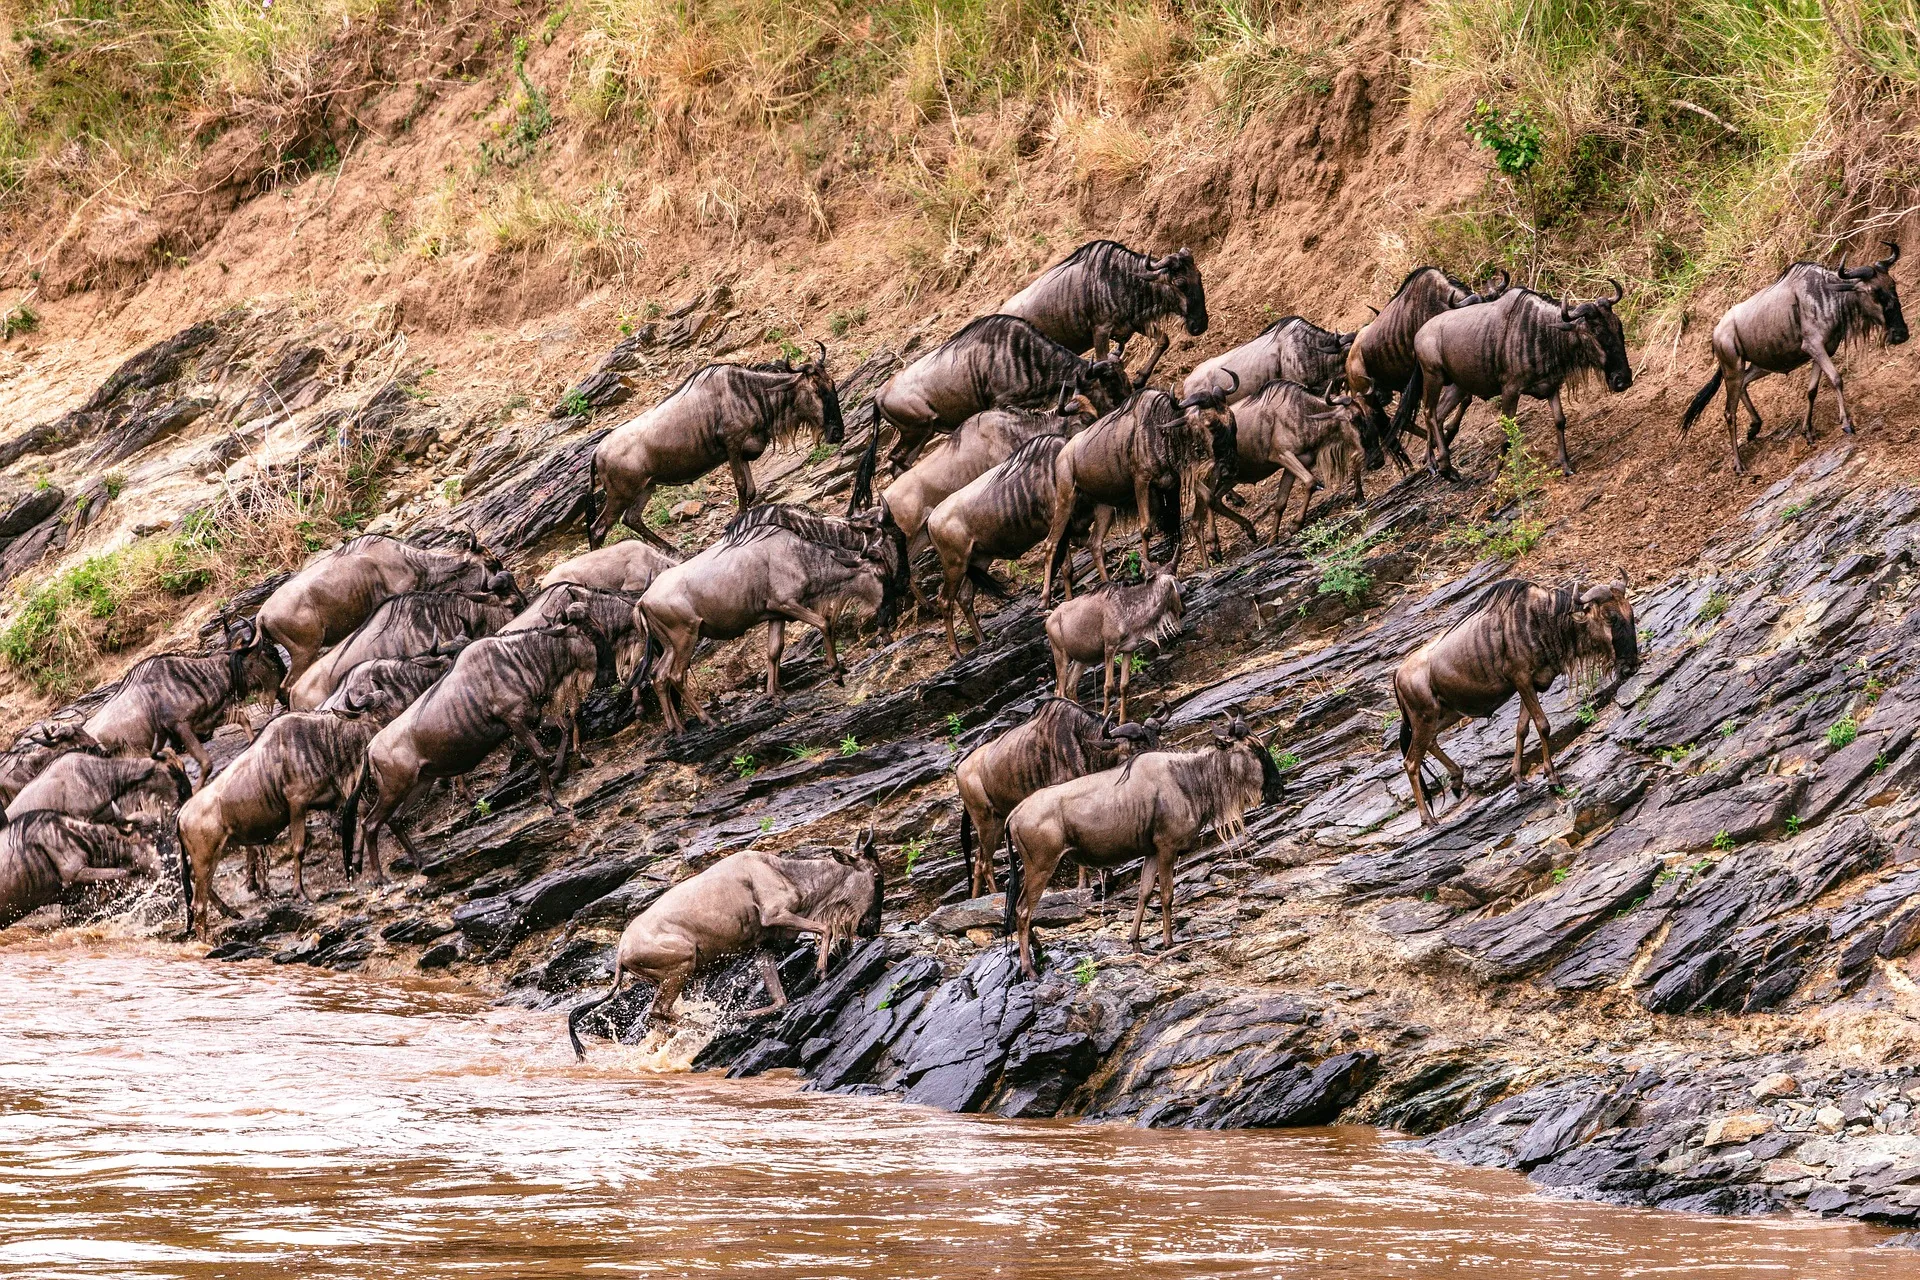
pixel 401 281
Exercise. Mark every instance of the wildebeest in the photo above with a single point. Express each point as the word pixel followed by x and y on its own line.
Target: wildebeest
pixel 402 678
pixel 336 591
pixel 1290 349
pixel 303 761
pixel 1156 806
pixel 500 688
pixel 1381 362
pixel 1002 514
pixel 174 698
pixel 995 362
pixel 1060 740
pixel 1520 639
pixel 747 901
pixel 1804 315
pixel 623 566
pixel 45 853
pixel 1143 458
pixel 774 564
pixel 724 413
pixel 410 623
pixel 1288 429
pixel 38 746
pixel 1522 345
pixel 104 788
pixel 1105 292
pixel 1108 626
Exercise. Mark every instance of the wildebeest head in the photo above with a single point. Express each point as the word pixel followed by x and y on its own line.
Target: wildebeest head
pixel 1596 322
pixel 1875 280
pixel 1604 620
pixel 889 554
pixel 253 664
pixel 1073 406
pixel 1239 736
pixel 579 616
pixel 867 854
pixel 1178 270
pixel 501 584
pixel 1105 383
pixel 1210 420
pixel 1356 415
pixel 815 396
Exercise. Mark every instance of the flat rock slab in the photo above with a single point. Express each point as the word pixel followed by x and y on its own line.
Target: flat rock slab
pixel 988 912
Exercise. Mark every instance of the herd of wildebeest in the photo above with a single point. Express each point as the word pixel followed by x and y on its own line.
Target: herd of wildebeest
pixel 389 665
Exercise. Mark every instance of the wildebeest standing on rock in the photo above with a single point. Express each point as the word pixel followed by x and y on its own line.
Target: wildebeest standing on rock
pixel 328 599
pixel 1000 515
pixel 1105 292
pixel 1060 740
pixel 1290 349
pixel 624 566
pixel 774 564
pixel 500 688
pixel 1288 429
pixel 410 623
pixel 38 746
pixel 1143 458
pixel 745 902
pixel 724 413
pixel 1522 345
pixel 995 362
pixel 1804 315
pixel 1520 639
pixel 1156 806
pixel 174 698
pixel 45 853
pixel 105 788
pixel 1381 362
pixel 303 761
pixel 1108 627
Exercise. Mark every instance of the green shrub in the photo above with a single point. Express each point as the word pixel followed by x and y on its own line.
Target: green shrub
pixel 1842 732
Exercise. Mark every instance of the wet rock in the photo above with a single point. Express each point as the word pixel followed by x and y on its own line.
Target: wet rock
pixel 494 924
pixel 954 1050
pixel 1443 1092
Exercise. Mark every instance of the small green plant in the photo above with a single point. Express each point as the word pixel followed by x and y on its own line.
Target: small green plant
pixel 483 807
pixel 849 746
pixel 1559 874
pixel 625 325
pixel 886 1001
pixel 1728 728
pixel 1283 760
pixel 1794 823
pixel 532 117
pixel 575 403
pixel 1842 732
pixel 1085 972
pixel 840 322
pixel 1716 605
pixel 1722 841
pixel 820 453
pixel 1338 551
pixel 19 318
pixel 801 751
pixel 1137 663
pixel 1586 714
pixel 954 725
pixel 1879 762
pixel 915 849
pixel 1794 511
pixel 766 824
pixel 116 482
pixel 1130 564
pixel 1874 688
pixel 1676 753
pixel 744 766
pixel 450 489
pixel 1511 135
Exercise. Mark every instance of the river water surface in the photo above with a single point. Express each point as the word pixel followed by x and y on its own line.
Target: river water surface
pixel 162 1116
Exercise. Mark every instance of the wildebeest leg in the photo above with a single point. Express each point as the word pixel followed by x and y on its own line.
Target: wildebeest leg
pixel 297 844
pixel 1530 702
pixel 183 734
pixel 1064 675
pixel 1161 341
pixel 824 625
pixel 1281 497
pixel 1125 661
pixel 1560 429
pixel 1166 897
pixel 770 978
pixel 1097 542
pixel 1456 776
pixel 744 492
pixel 776 644
pixel 523 735
pixel 950 582
pixel 1293 468
pixel 1106 682
pixel 973 623
pixel 1813 392
pixel 1056 545
pixel 1736 379
pixel 1036 873
pixel 1746 398
pixel 666 997
pixel 1439 460
pixel 1823 363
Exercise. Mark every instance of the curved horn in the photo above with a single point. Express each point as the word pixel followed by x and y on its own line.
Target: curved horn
pixel 1375 310
pixel 1236 384
pixel 1566 314
pixel 1618 292
pixel 822 362
pixel 1505 279
pixel 1621 569
pixel 1106 729
pixel 1066 400
pixel 1886 264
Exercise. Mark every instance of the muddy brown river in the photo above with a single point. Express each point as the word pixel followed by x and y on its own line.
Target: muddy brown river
pixel 162 1116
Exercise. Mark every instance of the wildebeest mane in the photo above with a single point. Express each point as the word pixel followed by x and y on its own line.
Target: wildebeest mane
pixel 1013 323
pixel 1417 272
pixel 764 521
pixel 1102 252
pixel 1543 623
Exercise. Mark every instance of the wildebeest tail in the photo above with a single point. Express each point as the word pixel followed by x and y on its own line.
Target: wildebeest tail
pixel 861 496
pixel 1409 402
pixel 1010 917
pixel 186 879
pixel 585 1007
pixel 349 815
pixel 986 582
pixel 592 461
pixel 1166 516
pixel 643 669
pixel 1701 401
pixel 966 837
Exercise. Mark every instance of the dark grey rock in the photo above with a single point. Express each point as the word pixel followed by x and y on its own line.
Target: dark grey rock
pixel 1530 935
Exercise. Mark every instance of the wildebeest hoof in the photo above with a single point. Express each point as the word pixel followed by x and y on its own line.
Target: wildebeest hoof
pixel 1753 431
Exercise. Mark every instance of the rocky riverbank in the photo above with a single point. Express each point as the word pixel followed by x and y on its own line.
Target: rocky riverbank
pixel 1684 980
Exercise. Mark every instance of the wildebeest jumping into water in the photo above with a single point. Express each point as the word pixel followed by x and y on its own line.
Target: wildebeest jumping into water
pixel 774 564
pixel 45 853
pixel 724 413
pixel 1522 345
pixel 995 362
pixel 1804 315
pixel 744 902
pixel 1156 806
pixel 1520 640
pixel 1104 292
pixel 105 788
pixel 1059 741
